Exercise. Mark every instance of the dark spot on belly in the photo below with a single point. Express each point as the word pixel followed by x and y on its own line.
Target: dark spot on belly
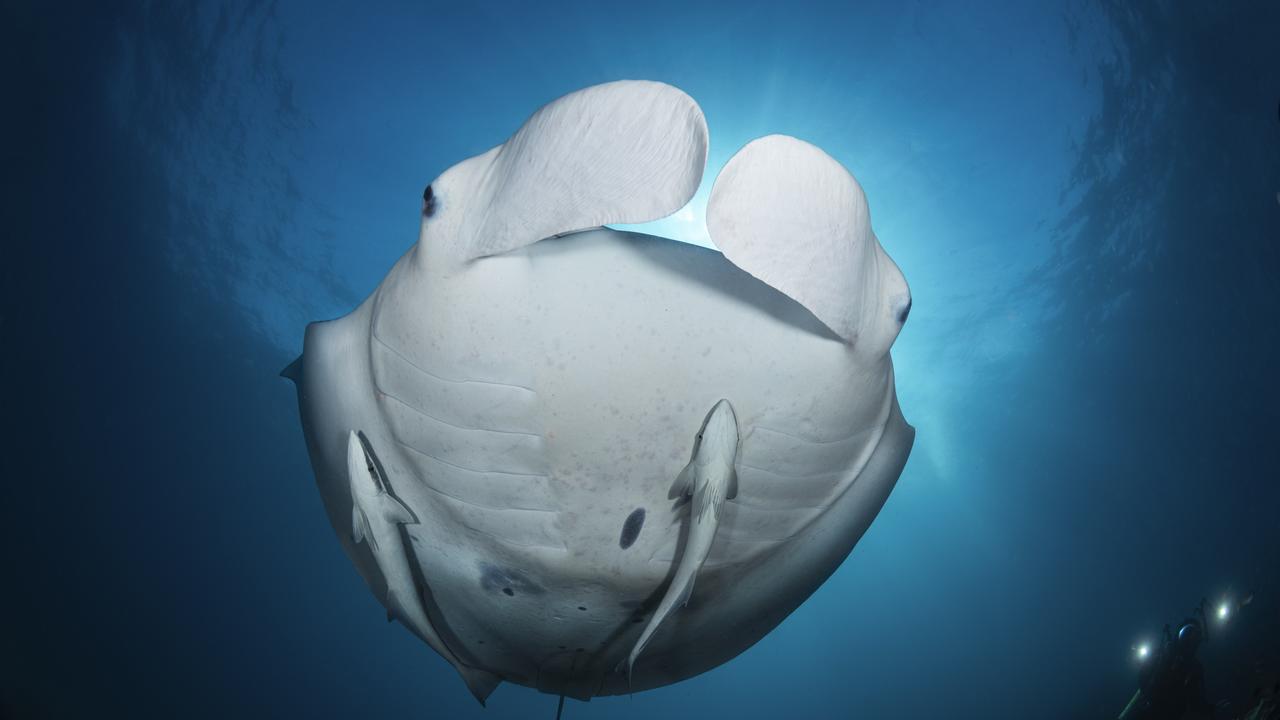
pixel 582 608
pixel 904 312
pixel 507 580
pixel 631 528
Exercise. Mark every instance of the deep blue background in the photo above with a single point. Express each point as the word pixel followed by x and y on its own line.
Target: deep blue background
pixel 1083 198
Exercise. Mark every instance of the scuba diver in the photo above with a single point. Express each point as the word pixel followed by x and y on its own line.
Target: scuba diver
pixel 1171 682
pixel 1266 704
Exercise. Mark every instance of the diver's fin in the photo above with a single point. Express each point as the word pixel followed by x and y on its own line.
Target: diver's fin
pixel 789 214
pixel 628 151
pixel 293 370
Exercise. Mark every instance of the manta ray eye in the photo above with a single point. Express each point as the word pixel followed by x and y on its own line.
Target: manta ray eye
pixel 699 436
pixel 428 202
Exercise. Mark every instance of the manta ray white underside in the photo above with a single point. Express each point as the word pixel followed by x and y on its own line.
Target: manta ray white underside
pixel 591 461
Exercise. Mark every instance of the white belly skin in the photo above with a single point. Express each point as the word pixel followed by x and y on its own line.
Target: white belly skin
pixel 525 405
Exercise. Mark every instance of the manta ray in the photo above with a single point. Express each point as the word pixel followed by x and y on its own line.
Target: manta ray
pixel 595 462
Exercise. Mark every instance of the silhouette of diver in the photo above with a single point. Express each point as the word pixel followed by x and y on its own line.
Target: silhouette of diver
pixel 1266 704
pixel 1171 683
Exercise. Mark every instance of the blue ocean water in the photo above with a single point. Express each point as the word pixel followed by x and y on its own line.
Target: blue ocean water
pixel 1082 195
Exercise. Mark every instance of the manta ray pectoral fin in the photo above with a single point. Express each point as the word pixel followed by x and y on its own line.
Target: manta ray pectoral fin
pixel 293 371
pixel 412 615
pixel 481 683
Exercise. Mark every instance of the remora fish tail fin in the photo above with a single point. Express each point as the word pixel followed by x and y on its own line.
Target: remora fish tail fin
pixel 621 152
pixel 686 592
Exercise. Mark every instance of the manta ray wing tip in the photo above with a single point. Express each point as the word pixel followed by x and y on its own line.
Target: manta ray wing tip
pixel 293 371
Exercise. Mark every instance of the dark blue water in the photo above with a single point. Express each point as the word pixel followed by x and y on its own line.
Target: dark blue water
pixel 1083 198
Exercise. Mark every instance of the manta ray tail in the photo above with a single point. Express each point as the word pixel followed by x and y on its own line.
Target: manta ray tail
pixel 481 683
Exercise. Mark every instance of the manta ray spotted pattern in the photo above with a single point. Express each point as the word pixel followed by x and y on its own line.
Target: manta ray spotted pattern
pixel 595 462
